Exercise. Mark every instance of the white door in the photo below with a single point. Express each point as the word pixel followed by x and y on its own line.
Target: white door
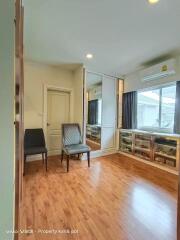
pixel 58 112
pixel 108 113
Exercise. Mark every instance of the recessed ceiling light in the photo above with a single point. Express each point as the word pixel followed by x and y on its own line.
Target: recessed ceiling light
pixel 89 56
pixel 153 1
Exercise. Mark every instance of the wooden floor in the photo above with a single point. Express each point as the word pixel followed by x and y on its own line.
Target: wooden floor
pixel 116 199
pixel 93 145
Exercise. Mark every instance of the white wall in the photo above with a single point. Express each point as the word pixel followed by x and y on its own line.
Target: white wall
pixel 7 117
pixel 134 82
pixel 36 75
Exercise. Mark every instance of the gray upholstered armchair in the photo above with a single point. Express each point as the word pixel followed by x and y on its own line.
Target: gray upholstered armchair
pixel 72 142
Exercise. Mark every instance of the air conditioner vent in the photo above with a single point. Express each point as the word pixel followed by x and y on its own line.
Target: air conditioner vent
pixel 162 70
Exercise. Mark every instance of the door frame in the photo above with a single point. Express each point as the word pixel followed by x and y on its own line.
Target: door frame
pixel 45 99
pixel 19 116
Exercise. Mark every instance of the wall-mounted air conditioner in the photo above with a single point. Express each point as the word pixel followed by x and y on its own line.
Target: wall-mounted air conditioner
pixel 161 70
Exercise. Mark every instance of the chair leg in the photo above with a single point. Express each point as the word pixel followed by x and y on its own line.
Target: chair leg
pixel 43 158
pixel 78 155
pixel 67 163
pixel 46 159
pixel 24 167
pixel 62 155
pixel 88 158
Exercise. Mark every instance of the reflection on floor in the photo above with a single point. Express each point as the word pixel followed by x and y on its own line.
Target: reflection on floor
pixel 93 144
pixel 116 199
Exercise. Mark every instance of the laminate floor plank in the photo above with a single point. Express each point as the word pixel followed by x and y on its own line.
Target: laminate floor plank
pixel 117 198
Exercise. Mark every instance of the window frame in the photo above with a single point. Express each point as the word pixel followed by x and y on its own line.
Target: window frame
pixel 156 129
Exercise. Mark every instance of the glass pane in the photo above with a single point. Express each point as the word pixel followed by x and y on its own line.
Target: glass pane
pixel 168 107
pixel 99 111
pixel 148 109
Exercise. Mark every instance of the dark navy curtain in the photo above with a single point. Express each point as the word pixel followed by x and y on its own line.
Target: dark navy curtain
pixel 129 110
pixel 93 112
pixel 177 110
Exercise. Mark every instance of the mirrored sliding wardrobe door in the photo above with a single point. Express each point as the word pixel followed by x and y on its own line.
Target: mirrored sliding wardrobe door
pixel 93 110
pixel 108 113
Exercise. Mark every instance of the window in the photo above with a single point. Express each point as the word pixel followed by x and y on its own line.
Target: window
pixel 168 107
pixel 155 109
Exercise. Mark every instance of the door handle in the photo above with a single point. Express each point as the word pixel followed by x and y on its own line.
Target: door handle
pixel 48 124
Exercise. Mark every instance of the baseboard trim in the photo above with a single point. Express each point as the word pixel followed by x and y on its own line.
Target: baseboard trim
pixel 39 157
pixel 94 154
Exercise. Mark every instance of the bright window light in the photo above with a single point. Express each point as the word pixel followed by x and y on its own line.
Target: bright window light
pixel 156 108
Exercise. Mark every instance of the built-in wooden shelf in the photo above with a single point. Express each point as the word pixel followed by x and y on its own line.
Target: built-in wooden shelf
pixel 165 155
pixel 158 149
pixel 142 149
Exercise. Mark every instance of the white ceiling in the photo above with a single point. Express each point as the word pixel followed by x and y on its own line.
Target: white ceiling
pixel 121 34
